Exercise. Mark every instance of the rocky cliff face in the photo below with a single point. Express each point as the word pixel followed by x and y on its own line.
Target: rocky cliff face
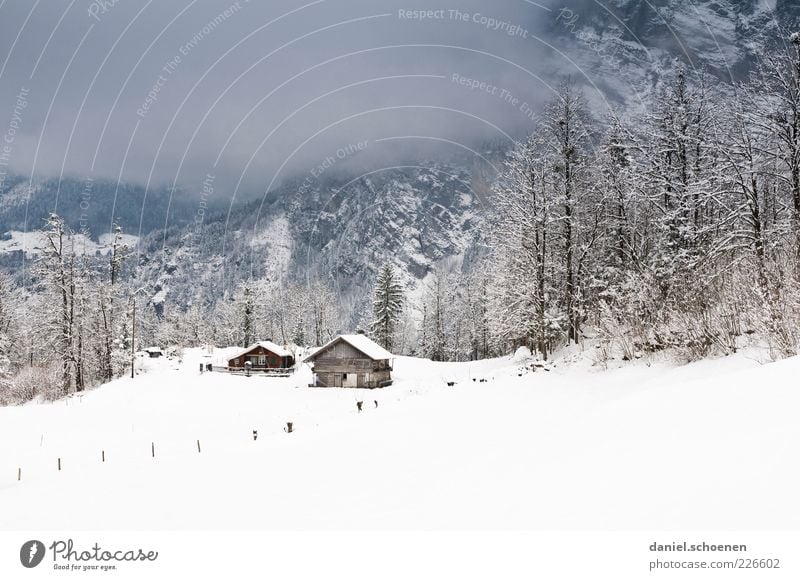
pixel 622 46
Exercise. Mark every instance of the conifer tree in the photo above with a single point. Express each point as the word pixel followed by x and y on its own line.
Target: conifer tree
pixel 387 306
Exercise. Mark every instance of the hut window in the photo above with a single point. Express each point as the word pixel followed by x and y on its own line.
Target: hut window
pixel 262 360
pixel 236 361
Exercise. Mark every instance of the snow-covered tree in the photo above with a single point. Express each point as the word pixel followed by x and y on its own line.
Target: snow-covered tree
pixel 521 225
pixel 776 88
pixel 434 316
pixel 106 300
pixel 475 297
pixel 8 306
pixel 244 301
pixel 566 130
pixel 387 306
pixel 56 270
pixel 446 330
pixel 322 313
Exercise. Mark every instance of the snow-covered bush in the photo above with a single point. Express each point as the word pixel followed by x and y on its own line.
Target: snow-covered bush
pixel 6 393
pixel 30 383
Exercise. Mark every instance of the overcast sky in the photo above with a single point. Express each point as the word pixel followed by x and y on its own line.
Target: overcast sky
pixel 176 89
pixel 165 91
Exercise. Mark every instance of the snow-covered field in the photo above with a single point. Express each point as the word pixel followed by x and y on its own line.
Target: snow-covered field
pixel 713 445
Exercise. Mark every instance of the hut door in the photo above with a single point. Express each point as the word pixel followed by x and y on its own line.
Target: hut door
pixel 337 380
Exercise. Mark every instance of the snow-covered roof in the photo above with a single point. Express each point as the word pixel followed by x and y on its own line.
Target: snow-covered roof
pixel 360 342
pixel 266 344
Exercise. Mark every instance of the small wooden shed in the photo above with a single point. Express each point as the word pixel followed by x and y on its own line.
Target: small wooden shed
pixel 261 356
pixel 351 360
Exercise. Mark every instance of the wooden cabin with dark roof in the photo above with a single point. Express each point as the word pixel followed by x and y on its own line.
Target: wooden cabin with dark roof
pixel 264 355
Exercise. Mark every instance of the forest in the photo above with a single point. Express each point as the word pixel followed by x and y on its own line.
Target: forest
pixel 670 227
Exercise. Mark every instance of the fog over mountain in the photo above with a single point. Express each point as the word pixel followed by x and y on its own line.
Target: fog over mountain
pixel 164 93
pixel 167 92
pixel 207 129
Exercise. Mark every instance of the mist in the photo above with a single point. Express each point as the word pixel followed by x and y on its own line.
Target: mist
pixel 176 92
pixel 168 93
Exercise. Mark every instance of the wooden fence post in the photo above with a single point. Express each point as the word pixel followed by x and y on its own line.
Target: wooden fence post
pixel 59 464
pixel 153 449
pixel 198 446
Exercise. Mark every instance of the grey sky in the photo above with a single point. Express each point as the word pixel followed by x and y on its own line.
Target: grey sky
pixel 234 74
pixel 173 90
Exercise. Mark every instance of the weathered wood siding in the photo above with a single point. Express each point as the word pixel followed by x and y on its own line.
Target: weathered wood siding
pixel 343 365
pixel 272 360
pixel 361 380
pixel 340 350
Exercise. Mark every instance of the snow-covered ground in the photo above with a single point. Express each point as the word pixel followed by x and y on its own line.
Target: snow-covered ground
pixel 712 445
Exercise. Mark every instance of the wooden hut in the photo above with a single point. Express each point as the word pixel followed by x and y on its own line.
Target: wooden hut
pixel 351 360
pixel 262 356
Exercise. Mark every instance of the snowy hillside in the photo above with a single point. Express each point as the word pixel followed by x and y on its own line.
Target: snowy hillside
pixel 31 243
pixel 712 445
pixel 338 228
pixel 625 46
pixel 93 205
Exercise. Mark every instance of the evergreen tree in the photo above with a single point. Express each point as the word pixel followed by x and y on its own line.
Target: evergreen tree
pixel 248 316
pixel 387 306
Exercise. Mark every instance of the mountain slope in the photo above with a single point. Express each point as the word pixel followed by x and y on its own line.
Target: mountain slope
pixel 340 229
pixel 92 205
